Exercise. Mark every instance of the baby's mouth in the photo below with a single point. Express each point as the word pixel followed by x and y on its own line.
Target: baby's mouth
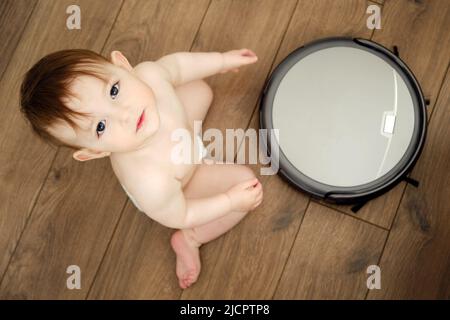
pixel 140 121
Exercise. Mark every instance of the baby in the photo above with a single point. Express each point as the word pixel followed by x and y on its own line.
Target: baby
pixel 107 108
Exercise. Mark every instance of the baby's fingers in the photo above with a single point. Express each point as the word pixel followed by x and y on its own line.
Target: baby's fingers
pixel 247 56
pixel 257 190
pixel 247 53
pixel 249 183
pixel 249 60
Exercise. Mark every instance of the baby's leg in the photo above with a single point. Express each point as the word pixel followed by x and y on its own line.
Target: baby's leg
pixel 196 97
pixel 208 180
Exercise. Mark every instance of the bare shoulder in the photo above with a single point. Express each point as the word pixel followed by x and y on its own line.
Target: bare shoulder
pixel 152 71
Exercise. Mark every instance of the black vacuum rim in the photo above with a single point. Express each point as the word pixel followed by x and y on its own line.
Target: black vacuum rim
pixel 353 194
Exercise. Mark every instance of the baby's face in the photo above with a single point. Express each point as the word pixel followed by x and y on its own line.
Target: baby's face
pixel 115 109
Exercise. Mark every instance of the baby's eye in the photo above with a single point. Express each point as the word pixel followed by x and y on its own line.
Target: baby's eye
pixel 100 128
pixel 114 90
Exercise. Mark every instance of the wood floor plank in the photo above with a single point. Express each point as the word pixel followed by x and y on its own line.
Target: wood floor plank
pixel 74 216
pixel 420 30
pixel 330 257
pixel 416 261
pixel 140 263
pixel 14 15
pixel 252 256
pixel 379 211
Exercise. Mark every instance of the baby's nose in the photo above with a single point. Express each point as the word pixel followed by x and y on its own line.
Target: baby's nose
pixel 125 116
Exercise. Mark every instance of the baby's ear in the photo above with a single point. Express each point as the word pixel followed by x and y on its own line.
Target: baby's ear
pixel 118 59
pixel 86 154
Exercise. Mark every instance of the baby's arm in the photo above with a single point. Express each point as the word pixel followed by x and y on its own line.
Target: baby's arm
pixel 162 199
pixel 180 213
pixel 183 67
pixel 187 66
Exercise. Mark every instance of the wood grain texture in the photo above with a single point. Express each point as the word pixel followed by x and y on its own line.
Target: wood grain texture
pixel 140 263
pixel 148 30
pixel 416 261
pixel 71 215
pixel 420 31
pixel 14 16
pixel 379 211
pixel 313 20
pixel 330 257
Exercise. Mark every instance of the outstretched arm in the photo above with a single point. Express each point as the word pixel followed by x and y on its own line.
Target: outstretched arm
pixel 187 66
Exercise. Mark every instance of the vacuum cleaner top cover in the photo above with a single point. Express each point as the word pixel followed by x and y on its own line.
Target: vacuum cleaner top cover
pixel 350 115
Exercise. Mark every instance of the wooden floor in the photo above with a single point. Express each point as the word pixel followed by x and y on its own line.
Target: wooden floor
pixel 56 212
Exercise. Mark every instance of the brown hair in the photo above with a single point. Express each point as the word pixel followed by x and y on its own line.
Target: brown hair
pixel 46 85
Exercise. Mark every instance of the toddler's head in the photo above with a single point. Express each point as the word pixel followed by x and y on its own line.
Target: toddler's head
pixel 79 99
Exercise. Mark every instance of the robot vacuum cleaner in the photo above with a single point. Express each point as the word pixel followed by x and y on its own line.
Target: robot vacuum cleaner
pixel 351 119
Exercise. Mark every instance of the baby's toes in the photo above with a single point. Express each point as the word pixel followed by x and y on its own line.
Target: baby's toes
pixel 184 282
pixel 191 278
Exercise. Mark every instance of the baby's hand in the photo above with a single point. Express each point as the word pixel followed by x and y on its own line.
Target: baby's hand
pixel 233 59
pixel 245 196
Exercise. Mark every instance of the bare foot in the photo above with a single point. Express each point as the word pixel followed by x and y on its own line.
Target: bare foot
pixel 188 259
